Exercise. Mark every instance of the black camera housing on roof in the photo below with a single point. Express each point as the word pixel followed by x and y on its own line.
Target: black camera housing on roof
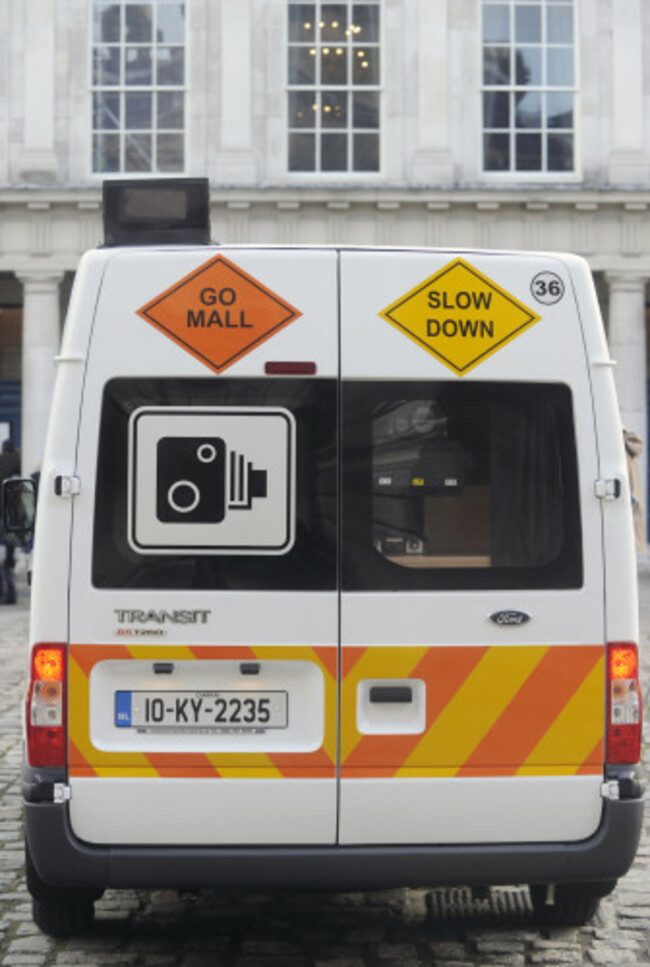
pixel 154 211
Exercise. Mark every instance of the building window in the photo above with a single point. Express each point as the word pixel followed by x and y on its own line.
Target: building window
pixel 138 86
pixel 334 97
pixel 529 91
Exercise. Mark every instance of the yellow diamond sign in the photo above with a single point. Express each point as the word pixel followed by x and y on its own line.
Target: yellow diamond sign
pixel 460 316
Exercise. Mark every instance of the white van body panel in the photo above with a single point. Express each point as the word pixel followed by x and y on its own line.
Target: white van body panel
pixel 305 278
pixel 552 349
pixel 621 597
pixel 123 344
pixel 326 648
pixel 312 624
pixel 228 812
pixel 49 612
pixel 470 810
pixel 475 608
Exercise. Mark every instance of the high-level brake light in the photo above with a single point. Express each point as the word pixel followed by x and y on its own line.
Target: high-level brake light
pixel 290 368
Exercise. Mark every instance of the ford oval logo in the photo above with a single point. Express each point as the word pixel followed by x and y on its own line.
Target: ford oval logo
pixel 509 618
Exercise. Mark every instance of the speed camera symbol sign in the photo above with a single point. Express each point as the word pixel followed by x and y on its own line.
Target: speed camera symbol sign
pixel 211 480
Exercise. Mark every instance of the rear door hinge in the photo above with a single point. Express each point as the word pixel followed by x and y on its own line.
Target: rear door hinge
pixel 67 486
pixel 61 792
pixel 609 488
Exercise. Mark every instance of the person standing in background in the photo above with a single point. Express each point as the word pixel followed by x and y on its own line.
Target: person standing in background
pixel 633 447
pixel 9 467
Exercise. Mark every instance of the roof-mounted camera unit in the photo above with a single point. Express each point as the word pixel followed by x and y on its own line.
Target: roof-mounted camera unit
pixel 154 211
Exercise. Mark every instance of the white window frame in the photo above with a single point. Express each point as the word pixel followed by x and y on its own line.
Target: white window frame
pixel 123 88
pixel 544 175
pixel 317 174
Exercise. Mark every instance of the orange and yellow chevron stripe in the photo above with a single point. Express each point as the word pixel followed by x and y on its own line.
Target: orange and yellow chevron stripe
pixel 490 711
pixel 86 760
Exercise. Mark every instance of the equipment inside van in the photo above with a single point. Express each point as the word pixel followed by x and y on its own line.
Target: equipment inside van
pixel 334 582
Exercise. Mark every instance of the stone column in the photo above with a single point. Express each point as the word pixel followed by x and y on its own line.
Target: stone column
pixel 628 161
pixel 627 343
pixel 235 162
pixel 36 160
pixel 41 338
pixel 432 161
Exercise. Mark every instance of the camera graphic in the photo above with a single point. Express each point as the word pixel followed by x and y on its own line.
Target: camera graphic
pixel 198 480
pixel 211 480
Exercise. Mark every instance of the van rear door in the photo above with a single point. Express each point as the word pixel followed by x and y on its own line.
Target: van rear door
pixel 472 621
pixel 203 594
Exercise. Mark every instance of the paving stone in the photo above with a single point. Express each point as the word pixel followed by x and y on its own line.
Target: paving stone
pixel 28 945
pixel 398 953
pixel 332 951
pixel 500 946
pixel 22 960
pixel 454 963
pixel 202 960
pixel 447 951
pixel 606 954
pixel 73 958
pixel 503 960
pixel 365 934
pixel 342 962
pixel 410 962
pixel 556 957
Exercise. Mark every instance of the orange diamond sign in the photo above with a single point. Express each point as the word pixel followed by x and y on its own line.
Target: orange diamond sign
pixel 460 316
pixel 218 313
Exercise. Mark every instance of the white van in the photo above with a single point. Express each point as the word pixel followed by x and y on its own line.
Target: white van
pixel 334 577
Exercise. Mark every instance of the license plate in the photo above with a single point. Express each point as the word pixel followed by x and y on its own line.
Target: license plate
pixel 215 711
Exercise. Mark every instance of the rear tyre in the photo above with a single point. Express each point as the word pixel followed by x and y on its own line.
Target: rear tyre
pixel 59 911
pixel 575 904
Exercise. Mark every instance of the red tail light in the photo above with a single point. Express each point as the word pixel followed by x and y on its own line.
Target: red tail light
pixel 45 707
pixel 624 706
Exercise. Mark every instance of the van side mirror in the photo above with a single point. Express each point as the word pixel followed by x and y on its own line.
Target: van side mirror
pixel 19 509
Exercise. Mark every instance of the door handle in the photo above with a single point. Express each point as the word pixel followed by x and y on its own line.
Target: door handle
pixel 402 694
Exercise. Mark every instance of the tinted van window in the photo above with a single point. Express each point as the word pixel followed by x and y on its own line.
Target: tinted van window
pixel 460 485
pixel 309 563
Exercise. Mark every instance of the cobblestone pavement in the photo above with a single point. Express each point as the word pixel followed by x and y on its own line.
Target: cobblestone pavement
pixel 446 928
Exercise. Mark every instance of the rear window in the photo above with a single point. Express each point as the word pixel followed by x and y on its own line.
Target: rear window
pixel 459 485
pixel 305 559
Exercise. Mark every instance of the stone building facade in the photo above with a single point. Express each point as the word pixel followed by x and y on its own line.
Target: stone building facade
pixel 473 123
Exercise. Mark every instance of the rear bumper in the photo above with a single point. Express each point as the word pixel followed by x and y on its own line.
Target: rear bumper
pixel 63 860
